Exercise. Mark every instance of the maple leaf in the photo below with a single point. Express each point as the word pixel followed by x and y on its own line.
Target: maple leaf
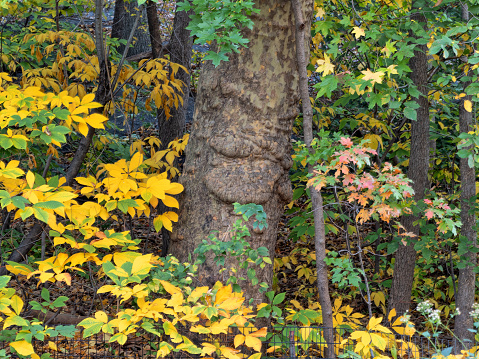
pixel 429 214
pixel 374 77
pixel 325 66
pixel 320 13
pixel 346 142
pixel 358 32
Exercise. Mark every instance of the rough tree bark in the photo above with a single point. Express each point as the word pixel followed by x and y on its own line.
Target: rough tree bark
pixel 239 149
pixel 403 277
pixel 123 20
pixel 302 52
pixel 467 278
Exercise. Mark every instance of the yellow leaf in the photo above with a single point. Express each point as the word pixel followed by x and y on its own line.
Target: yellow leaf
pixel 101 316
pixel 33 91
pixel 64 277
pixel 23 347
pixel 325 66
pixel 62 197
pixel 320 12
pixel 170 202
pixel 358 32
pixel 468 105
pixel 96 120
pixel 239 339
pixel 17 304
pixel 375 77
pixel 30 179
pixel 305 332
pixel 253 342
pixel 208 348
pixel 142 265
pixel 223 293
pixel 135 162
pixel 170 288
pixel 259 333
pixel 378 298
pixel 87 99
pixel 273 349
pixel 83 128
pixel 392 314
pixel 52 346
pixel 374 322
pixel 197 293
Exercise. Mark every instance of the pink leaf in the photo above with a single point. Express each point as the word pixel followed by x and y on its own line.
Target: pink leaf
pixel 429 214
pixel 346 142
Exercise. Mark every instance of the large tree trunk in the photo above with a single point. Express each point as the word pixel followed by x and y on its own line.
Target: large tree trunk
pixel 403 277
pixel 123 20
pixel 240 149
pixel 463 323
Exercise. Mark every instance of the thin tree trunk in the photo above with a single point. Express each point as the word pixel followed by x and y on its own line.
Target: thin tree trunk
pixel 239 149
pixel 317 201
pixel 463 323
pixel 403 276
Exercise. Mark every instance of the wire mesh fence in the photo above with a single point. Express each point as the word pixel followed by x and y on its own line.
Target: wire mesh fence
pixel 281 342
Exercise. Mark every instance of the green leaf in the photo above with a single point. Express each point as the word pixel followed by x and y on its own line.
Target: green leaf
pixel 92 326
pixel 4 279
pixel 210 312
pixel 26 213
pixel 45 294
pixel 124 204
pixel 60 301
pixel 40 214
pixel 279 298
pixel 20 202
pixel 48 205
pixel 67 331
pixel 19 143
pixel 410 113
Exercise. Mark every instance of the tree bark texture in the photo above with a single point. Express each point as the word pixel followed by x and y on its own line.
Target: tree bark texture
pixel 467 277
pixel 180 49
pixel 123 20
pixel 403 276
pixel 302 53
pixel 154 29
pixel 239 149
pixel 463 323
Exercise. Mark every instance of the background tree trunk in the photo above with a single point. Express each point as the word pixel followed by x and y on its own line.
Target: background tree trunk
pixel 180 49
pixel 239 149
pixel 123 20
pixel 467 278
pixel 403 276
pixel 154 29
